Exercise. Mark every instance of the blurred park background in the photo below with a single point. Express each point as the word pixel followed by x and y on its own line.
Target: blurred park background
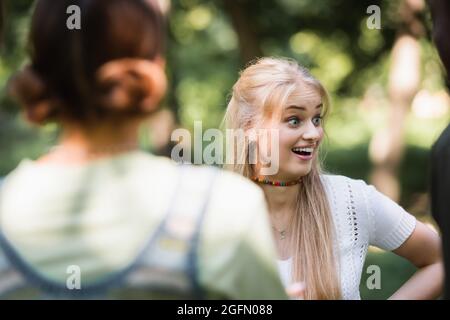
pixel 387 88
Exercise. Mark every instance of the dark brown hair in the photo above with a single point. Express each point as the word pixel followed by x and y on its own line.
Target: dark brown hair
pixel 64 79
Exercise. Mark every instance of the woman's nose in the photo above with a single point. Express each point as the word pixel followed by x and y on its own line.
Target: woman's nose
pixel 312 133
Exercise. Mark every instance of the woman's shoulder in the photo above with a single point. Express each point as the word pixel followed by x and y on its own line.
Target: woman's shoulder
pixel 234 201
pixel 136 166
pixel 231 190
pixel 228 183
pixel 344 190
pixel 340 180
pixel 231 196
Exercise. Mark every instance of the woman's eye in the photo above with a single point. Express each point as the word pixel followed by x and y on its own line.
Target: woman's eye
pixel 317 121
pixel 294 121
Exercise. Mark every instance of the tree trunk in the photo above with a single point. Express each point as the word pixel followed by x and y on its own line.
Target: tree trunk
pixel 245 29
pixel 387 145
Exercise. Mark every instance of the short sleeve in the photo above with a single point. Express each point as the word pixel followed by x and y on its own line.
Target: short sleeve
pixel 389 224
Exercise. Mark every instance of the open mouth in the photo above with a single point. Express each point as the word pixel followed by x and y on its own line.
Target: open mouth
pixel 306 152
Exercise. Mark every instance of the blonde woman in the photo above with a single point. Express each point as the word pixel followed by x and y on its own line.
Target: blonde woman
pixel 323 224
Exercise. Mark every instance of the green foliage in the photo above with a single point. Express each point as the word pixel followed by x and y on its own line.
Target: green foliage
pixel 394 271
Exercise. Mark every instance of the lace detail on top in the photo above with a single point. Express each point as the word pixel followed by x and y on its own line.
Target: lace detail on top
pixel 362 216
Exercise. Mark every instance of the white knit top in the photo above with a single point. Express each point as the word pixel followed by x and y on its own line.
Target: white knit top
pixel 362 216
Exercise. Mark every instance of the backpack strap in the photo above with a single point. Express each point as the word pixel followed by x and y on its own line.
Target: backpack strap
pixel 174 252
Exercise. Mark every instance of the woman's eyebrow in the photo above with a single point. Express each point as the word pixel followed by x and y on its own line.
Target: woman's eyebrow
pixel 303 108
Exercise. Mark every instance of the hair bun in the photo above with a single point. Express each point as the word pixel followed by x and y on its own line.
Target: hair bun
pixel 128 85
pixel 30 90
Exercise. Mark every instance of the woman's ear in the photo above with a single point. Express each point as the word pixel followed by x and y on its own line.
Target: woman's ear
pixel 253 155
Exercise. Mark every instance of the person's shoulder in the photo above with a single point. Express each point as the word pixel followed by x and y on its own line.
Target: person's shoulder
pixel 336 179
pixel 230 189
pixel 234 200
pixel 341 184
pixel 147 168
pixel 23 167
pixel 241 192
pixel 16 175
pixel 146 158
pixel 442 145
pixel 229 186
pixel 239 184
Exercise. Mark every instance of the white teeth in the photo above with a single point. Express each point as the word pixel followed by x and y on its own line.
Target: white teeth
pixel 310 150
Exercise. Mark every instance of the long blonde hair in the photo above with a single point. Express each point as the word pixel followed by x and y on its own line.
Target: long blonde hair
pixel 262 89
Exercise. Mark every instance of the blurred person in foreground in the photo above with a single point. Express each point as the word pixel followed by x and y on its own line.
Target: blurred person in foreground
pixel 98 218
pixel 440 157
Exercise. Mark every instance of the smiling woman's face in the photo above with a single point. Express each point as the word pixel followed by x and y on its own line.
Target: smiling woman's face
pixel 300 133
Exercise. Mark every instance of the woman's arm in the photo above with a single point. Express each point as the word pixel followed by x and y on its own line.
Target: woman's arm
pixel 423 249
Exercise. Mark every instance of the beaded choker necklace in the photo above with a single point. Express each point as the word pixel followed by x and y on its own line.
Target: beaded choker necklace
pixel 276 183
